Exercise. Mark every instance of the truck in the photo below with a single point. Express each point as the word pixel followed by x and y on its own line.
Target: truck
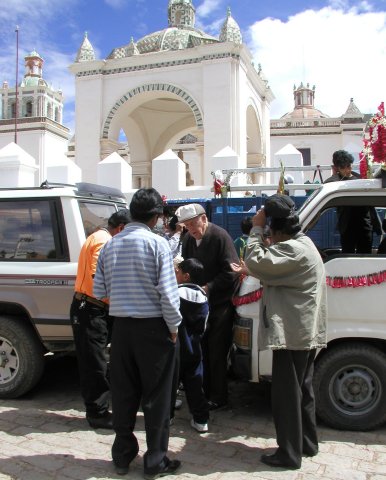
pixel 42 230
pixel 350 374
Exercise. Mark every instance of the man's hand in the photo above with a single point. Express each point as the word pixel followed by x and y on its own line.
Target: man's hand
pixel 259 220
pixel 174 336
pixel 240 268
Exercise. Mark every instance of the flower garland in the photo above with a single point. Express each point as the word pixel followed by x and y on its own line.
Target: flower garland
pixel 357 281
pixel 374 143
pixel 333 282
pixel 248 298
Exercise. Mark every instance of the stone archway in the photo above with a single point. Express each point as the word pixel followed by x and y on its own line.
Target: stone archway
pixel 153 87
pixel 151 116
pixel 255 152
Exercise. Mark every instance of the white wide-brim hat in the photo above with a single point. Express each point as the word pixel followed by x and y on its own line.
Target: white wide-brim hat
pixel 187 212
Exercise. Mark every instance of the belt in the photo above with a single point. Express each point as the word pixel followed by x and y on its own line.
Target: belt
pixel 85 298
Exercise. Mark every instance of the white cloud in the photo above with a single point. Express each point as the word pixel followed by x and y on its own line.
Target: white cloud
pixel 342 52
pixel 207 7
pixel 205 14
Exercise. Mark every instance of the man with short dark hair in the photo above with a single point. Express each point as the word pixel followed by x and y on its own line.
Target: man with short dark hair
pixel 135 271
pixel 355 223
pixel 91 325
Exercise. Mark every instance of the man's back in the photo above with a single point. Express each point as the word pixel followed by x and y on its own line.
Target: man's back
pixel 138 263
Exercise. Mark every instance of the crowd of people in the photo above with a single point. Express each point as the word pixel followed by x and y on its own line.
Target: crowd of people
pixel 163 283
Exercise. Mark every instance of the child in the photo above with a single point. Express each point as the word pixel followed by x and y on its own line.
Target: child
pixel 194 310
pixel 241 242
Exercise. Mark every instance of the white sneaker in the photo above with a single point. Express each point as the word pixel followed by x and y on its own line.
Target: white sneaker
pixel 199 427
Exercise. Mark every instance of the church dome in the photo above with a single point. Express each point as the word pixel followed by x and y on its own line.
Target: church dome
pixel 230 30
pixel 304 104
pixel 30 81
pixel 86 51
pixel 180 33
pixel 173 38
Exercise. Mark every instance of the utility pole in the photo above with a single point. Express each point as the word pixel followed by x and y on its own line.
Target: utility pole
pixel 17 79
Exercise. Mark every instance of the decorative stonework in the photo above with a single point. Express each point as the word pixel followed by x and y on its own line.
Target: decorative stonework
pixel 154 87
pixel 152 66
pixel 181 13
pixel 230 31
pixel 86 51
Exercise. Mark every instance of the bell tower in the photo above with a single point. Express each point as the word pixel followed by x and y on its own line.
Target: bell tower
pixel 39 122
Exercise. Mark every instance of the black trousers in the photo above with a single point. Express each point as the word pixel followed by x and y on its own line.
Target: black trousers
pixel 141 371
pixel 293 404
pixel 356 241
pixel 216 343
pixel 91 326
pixel 191 374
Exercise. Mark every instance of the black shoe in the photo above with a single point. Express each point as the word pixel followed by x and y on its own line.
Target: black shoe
pixel 275 460
pixel 169 469
pixel 310 453
pixel 213 406
pixel 101 422
pixel 121 470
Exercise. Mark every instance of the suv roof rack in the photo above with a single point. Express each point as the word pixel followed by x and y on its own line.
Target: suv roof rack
pixel 89 189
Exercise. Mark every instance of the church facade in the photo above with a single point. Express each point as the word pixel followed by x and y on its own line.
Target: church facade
pixel 177 89
pixel 315 134
pixel 32 116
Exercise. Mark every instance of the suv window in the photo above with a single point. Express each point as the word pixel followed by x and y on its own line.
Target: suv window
pixel 26 231
pixel 95 215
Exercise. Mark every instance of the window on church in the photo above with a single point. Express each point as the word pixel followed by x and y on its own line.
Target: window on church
pixel 57 115
pixel 49 111
pixel 306 153
pixel 28 109
pixel 13 110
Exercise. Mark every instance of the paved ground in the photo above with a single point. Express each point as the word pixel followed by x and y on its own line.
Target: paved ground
pixel 44 436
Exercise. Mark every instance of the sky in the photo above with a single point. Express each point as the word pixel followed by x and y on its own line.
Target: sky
pixel 337 45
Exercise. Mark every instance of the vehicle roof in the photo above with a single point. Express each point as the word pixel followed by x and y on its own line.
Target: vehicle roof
pixel 81 189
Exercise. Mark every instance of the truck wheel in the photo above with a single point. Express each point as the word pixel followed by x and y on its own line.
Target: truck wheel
pixel 350 387
pixel 21 358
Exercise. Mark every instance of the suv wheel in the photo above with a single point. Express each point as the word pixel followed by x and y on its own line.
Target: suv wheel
pixel 350 387
pixel 21 358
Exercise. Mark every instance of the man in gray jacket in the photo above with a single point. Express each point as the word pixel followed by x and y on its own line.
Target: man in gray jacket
pixel 293 324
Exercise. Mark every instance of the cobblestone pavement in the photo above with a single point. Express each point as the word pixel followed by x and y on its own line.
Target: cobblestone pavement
pixel 44 436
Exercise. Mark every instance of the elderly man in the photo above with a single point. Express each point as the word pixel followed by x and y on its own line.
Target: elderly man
pixel 135 271
pixel 213 246
pixel 293 324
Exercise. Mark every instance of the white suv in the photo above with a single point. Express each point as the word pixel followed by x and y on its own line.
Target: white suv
pixel 41 233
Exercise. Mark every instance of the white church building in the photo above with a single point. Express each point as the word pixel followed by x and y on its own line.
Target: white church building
pixel 165 111
pixel 176 90
pixel 315 134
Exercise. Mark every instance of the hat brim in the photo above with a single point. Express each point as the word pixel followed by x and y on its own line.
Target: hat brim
pixel 190 218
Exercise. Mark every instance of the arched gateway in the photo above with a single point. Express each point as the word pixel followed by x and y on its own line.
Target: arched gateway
pixel 171 85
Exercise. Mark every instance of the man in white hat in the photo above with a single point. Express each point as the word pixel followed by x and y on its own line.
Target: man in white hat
pixel 213 246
